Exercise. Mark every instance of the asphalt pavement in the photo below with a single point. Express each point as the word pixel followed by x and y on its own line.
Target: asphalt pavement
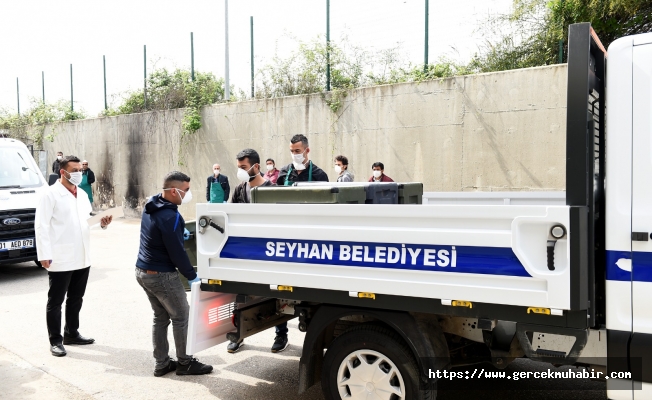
pixel 119 365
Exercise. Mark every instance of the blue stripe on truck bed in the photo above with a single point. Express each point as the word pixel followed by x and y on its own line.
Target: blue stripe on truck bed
pixel 420 257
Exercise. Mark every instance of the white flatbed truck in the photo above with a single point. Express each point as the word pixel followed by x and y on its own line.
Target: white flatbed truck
pixel 387 294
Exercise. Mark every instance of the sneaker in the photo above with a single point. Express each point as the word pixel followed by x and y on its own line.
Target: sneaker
pixel 280 344
pixel 194 367
pixel 172 365
pixel 235 346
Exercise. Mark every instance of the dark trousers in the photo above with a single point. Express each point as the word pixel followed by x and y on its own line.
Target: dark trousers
pixel 282 329
pixel 72 283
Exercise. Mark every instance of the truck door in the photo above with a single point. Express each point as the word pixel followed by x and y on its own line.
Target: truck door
pixel 210 318
pixel 641 341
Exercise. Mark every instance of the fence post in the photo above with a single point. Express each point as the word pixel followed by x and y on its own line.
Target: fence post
pixel 328 45
pixel 72 106
pixel 18 95
pixel 227 88
pixel 192 58
pixel 251 25
pixel 106 106
pixel 145 75
pixel 425 48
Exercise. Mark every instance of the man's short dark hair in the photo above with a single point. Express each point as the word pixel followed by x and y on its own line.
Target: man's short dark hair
pixel 251 154
pixel 378 164
pixel 342 159
pixel 299 138
pixel 67 159
pixel 174 176
pixel 269 159
pixel 60 152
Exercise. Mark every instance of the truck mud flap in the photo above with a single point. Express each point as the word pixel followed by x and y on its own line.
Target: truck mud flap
pixel 558 349
pixel 210 318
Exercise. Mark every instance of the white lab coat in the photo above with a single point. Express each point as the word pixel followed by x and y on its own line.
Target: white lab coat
pixel 62 232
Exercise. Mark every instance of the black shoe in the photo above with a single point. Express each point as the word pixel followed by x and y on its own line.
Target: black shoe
pixel 235 346
pixel 280 344
pixel 77 340
pixel 162 371
pixel 58 350
pixel 194 367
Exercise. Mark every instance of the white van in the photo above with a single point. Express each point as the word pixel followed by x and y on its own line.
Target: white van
pixel 20 184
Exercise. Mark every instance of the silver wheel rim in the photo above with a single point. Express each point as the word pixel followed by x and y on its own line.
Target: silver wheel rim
pixel 369 375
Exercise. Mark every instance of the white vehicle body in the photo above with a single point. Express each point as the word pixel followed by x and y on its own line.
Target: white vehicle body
pixel 491 260
pixel 21 182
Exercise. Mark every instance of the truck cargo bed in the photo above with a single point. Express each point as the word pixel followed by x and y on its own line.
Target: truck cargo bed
pixel 477 253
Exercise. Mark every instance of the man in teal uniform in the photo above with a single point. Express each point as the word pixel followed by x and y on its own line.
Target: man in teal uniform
pixel 217 186
pixel 88 178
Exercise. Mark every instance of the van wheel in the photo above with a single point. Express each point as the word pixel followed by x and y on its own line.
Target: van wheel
pixel 370 361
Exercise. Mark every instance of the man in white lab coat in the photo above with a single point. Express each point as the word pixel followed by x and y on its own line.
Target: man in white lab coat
pixel 63 248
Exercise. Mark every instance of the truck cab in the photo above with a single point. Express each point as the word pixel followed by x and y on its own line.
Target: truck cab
pixel 21 182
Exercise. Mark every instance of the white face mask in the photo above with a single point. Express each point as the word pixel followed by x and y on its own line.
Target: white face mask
pixel 59 158
pixel 187 198
pixel 377 174
pixel 244 176
pixel 75 178
pixel 216 171
pixel 338 169
pixel 297 161
pixel 270 167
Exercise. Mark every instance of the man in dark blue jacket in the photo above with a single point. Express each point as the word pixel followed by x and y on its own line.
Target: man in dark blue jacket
pixel 160 255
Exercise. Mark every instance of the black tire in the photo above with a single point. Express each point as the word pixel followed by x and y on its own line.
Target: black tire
pixel 38 263
pixel 372 338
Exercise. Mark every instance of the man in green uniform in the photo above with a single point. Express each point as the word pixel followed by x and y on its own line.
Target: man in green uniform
pixel 88 178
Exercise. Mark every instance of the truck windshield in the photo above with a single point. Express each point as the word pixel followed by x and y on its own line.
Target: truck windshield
pixel 18 169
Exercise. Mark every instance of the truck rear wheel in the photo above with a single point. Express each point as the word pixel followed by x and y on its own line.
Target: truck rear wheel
pixel 370 361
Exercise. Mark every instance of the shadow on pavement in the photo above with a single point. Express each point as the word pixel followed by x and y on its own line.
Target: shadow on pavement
pixel 281 376
pixel 283 373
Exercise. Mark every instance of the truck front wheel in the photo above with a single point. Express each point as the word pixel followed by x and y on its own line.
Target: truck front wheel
pixel 371 362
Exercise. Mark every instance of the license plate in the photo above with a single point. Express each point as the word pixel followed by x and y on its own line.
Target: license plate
pixel 17 244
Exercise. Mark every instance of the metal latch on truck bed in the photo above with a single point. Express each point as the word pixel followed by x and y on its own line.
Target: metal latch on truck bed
pixel 557 232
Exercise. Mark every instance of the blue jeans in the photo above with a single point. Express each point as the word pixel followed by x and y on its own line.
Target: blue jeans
pixel 169 303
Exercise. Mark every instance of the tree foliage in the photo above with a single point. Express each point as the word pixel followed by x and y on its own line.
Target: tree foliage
pixel 304 71
pixel 530 34
pixel 30 125
pixel 167 90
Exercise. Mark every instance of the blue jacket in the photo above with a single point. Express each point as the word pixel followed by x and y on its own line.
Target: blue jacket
pixel 161 239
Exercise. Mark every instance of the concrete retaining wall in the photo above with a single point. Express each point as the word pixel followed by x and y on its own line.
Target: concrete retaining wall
pixel 501 131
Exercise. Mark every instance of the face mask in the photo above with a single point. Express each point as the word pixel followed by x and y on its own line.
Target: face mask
pixel 338 169
pixel 270 167
pixel 59 158
pixel 297 160
pixel 75 178
pixel 216 171
pixel 187 198
pixel 244 175
pixel 377 174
